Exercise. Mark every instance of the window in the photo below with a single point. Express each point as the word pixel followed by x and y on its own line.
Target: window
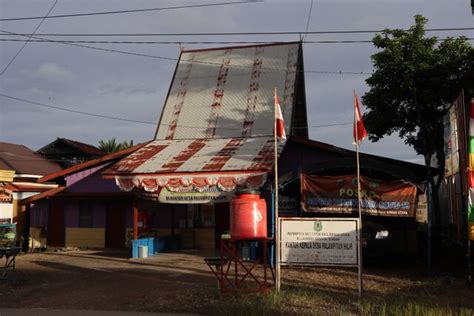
pixel 85 214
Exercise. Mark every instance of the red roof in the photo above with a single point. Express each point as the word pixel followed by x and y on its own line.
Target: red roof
pixel 91 163
pixel 26 187
pixel 23 160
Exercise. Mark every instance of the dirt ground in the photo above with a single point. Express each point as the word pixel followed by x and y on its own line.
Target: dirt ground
pixel 181 282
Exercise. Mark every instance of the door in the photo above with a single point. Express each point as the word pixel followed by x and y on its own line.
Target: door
pixel 115 226
pixel 56 231
pixel 222 220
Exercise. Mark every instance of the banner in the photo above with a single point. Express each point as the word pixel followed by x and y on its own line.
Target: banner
pixel 319 241
pixel 338 194
pixel 451 141
pixel 192 196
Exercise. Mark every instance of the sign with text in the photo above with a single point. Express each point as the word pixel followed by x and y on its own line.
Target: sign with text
pixel 319 241
pixel 338 194
pixel 192 196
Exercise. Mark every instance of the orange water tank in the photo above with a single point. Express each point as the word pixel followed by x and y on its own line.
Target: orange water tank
pixel 248 216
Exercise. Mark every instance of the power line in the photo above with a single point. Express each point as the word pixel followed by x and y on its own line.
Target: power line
pixel 142 122
pixel 241 33
pixel 189 42
pixel 176 59
pixel 97 48
pixel 27 41
pixel 128 11
pixel 74 111
pixel 309 17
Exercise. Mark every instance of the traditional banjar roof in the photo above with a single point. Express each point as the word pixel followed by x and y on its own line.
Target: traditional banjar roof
pixel 219 113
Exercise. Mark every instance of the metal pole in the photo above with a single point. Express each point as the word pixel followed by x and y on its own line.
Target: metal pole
pixel 277 230
pixel 430 219
pixel 359 203
pixel 360 222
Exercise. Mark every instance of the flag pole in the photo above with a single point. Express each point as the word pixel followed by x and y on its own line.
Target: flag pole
pixel 277 232
pixel 358 199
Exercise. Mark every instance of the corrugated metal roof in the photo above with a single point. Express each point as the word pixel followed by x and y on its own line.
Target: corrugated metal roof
pixel 228 92
pixel 198 155
pixel 23 160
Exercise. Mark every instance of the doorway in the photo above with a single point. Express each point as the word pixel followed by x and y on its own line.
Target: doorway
pixel 56 230
pixel 115 226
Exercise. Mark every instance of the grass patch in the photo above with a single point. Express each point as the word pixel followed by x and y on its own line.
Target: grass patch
pixel 317 302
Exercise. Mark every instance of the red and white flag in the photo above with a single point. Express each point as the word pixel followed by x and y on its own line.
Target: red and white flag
pixel 280 124
pixel 359 129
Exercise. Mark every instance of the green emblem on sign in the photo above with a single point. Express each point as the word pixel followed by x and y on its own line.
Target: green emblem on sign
pixel 318 226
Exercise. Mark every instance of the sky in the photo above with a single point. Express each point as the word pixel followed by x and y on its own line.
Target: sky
pixel 135 87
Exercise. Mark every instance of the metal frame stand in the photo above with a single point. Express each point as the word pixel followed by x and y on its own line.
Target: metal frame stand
pixel 232 271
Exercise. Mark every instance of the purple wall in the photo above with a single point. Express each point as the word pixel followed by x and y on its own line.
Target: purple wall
pixel 39 214
pixel 75 177
pixel 71 214
pixel 98 215
pixel 93 183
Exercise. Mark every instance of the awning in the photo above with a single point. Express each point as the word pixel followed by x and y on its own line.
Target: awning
pixel 197 164
pixel 199 182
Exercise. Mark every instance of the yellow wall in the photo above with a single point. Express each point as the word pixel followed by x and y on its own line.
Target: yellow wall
pixel 37 238
pixel 85 237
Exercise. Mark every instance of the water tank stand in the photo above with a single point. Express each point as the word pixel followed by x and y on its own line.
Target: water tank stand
pixel 236 274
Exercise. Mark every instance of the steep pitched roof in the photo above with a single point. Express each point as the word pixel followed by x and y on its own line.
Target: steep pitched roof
pixel 23 160
pixel 228 92
pixel 219 112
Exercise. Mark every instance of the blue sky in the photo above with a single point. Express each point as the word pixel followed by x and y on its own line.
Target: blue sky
pixel 135 87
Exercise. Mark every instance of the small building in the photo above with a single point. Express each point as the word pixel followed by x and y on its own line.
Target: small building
pixel 20 169
pixel 215 135
pixel 67 152
pixel 85 210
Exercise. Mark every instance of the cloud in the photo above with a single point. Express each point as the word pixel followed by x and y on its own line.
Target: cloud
pixel 52 71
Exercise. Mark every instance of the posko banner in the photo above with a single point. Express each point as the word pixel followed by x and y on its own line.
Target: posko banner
pixel 338 194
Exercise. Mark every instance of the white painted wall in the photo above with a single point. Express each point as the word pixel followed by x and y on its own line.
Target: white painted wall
pixel 6 211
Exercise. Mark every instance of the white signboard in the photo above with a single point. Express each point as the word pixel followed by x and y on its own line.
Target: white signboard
pixel 319 241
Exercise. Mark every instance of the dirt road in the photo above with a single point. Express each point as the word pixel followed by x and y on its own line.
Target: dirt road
pixel 181 283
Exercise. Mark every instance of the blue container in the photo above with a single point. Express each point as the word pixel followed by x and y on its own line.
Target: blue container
pixel 150 244
pixel 143 242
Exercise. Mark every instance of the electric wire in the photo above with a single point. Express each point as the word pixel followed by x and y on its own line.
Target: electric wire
pixel 183 60
pixel 309 19
pixel 192 42
pixel 54 107
pixel 128 11
pixel 239 33
pixel 27 41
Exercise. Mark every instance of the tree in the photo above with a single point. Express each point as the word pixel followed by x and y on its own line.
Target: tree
pixel 111 145
pixel 415 80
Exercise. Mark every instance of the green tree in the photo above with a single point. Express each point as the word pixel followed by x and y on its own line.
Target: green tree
pixel 111 145
pixel 415 80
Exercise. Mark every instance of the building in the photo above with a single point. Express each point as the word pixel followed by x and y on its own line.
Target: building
pixel 215 134
pixel 21 168
pixel 68 152
pixel 85 210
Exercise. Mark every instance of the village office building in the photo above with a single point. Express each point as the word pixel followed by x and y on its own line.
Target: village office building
pixel 214 137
